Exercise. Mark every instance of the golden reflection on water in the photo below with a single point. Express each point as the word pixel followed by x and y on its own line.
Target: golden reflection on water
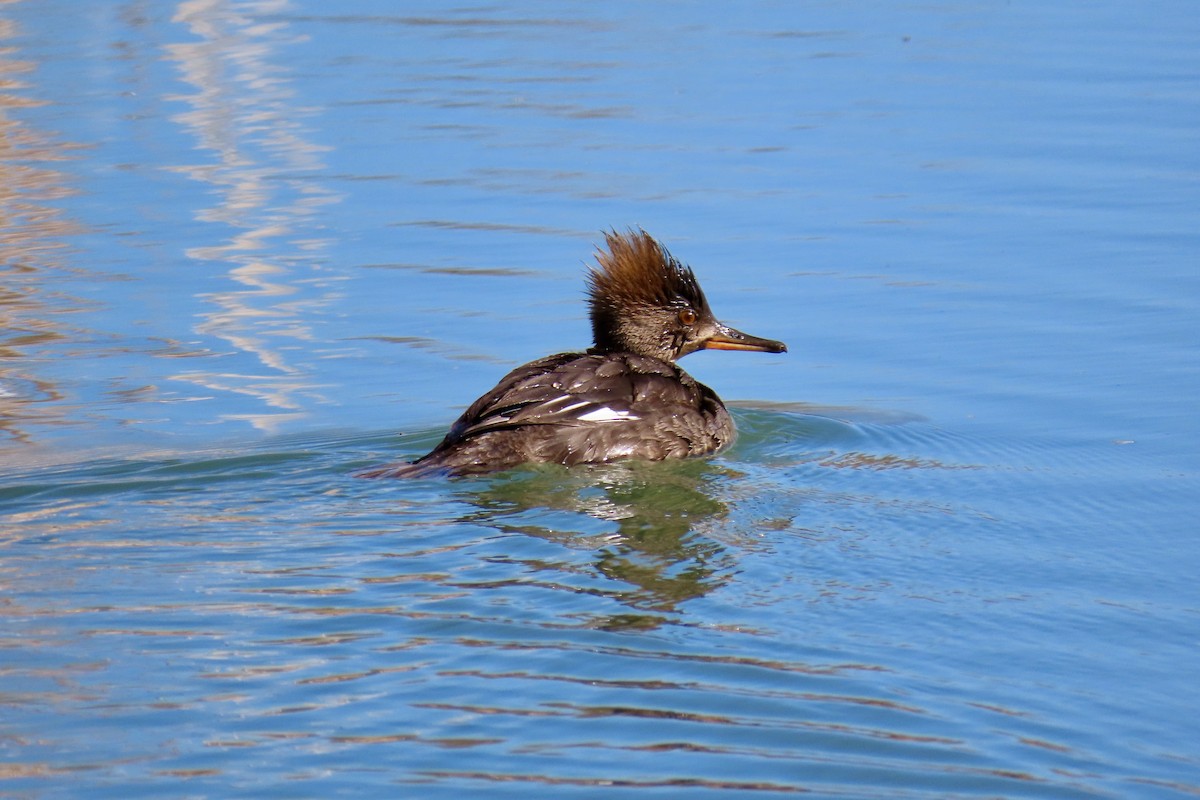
pixel 243 113
pixel 31 246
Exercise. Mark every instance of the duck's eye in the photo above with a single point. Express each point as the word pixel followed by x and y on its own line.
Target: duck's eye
pixel 687 316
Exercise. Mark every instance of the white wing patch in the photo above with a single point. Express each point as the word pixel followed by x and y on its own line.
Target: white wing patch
pixel 606 414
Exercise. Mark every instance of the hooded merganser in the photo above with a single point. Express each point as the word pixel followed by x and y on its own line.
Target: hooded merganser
pixel 623 398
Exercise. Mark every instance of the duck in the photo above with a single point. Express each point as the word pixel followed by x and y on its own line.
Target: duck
pixel 623 398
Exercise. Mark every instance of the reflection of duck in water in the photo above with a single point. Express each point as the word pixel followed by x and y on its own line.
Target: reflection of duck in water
pixel 624 398
pixel 645 527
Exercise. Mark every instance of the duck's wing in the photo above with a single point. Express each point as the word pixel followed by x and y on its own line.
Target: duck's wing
pixel 576 389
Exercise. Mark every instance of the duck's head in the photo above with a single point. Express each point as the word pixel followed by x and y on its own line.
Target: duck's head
pixel 643 301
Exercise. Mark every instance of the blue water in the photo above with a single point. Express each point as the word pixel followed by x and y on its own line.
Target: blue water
pixel 252 248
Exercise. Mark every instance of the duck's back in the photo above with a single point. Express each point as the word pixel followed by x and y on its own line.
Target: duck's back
pixel 576 408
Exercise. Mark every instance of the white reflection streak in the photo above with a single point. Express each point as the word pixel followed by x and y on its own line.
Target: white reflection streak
pixel 242 113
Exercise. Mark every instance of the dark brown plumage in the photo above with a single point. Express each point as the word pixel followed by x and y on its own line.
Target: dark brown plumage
pixel 624 398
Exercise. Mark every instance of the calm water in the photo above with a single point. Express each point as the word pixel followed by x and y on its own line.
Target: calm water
pixel 247 244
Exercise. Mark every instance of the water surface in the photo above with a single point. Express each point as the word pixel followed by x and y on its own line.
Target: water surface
pixel 252 248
